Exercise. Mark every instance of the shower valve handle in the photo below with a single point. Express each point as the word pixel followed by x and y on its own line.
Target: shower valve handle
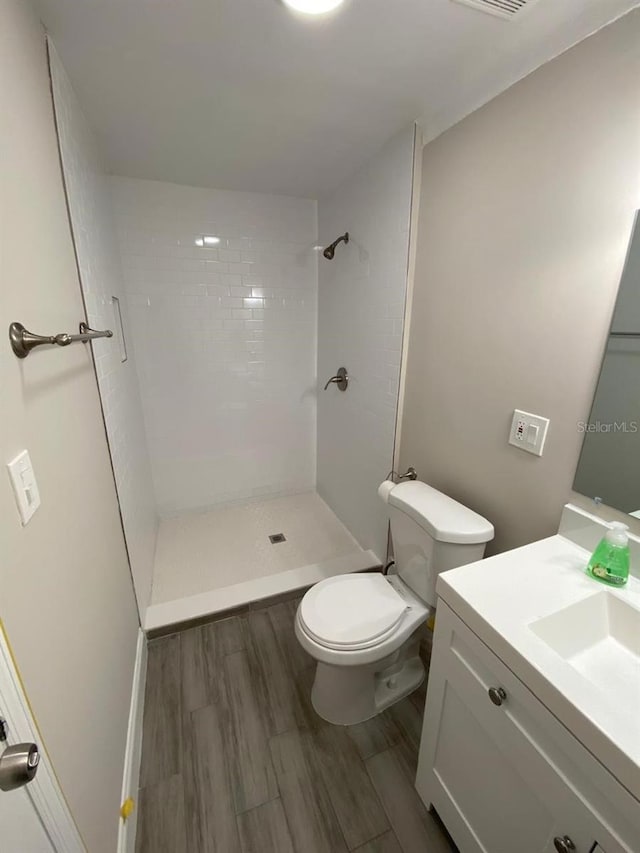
pixel 341 379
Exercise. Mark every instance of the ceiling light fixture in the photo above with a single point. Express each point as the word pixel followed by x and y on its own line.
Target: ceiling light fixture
pixel 313 7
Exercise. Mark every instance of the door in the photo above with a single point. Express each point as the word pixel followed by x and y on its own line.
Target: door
pixel 21 830
pixel 33 818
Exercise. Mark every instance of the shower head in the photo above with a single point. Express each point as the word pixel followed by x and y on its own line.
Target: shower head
pixel 330 251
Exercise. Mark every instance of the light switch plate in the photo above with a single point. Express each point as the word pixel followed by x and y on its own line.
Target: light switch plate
pixel 528 432
pixel 25 488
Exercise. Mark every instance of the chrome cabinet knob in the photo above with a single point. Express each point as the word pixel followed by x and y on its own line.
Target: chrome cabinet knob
pixel 563 844
pixel 497 695
pixel 18 765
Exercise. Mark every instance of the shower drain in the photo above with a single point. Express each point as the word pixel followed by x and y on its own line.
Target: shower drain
pixel 277 537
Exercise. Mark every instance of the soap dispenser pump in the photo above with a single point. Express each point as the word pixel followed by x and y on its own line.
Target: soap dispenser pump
pixel 609 563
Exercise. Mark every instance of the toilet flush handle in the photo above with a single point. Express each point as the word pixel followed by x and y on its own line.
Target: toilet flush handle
pixel 409 474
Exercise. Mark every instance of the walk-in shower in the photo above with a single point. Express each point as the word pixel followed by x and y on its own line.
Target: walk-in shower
pixel 237 476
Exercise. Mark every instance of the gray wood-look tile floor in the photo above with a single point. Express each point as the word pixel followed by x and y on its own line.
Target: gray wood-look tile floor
pixel 235 759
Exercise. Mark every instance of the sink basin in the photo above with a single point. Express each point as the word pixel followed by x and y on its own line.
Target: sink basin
pixel 598 636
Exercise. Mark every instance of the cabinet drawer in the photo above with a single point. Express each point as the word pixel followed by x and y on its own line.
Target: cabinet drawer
pixel 520 763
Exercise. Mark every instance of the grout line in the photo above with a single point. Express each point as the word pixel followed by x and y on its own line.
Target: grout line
pixel 259 806
pixel 378 837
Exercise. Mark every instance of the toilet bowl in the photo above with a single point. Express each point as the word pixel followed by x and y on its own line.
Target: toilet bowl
pixel 361 628
pixel 364 629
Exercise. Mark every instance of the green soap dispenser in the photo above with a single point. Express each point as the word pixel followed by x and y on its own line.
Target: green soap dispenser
pixel 609 563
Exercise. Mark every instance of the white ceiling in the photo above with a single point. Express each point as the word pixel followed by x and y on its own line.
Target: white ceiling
pixel 242 94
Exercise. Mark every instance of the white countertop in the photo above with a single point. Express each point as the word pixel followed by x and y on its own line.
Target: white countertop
pixel 498 598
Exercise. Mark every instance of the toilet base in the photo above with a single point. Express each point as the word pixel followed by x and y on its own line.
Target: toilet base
pixel 345 695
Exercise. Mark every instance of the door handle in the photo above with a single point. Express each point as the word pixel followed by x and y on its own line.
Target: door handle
pixel 18 765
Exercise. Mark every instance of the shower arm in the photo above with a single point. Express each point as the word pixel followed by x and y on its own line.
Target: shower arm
pixel 331 248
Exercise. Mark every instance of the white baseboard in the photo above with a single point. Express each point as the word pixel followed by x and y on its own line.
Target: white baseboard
pixel 133 752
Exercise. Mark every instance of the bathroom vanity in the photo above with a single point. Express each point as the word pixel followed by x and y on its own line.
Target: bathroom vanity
pixel 531 737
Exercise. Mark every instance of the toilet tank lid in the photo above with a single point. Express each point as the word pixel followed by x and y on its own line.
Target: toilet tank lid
pixel 443 518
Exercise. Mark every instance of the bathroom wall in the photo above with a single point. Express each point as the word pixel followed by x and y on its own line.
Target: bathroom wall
pixel 361 295
pixel 225 339
pixel 67 603
pixel 89 200
pixel 526 211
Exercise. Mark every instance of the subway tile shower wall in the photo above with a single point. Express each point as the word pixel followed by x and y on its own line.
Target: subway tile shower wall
pixel 224 336
pixel 361 318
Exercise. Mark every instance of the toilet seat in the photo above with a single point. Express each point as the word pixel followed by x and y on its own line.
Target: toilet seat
pixel 353 611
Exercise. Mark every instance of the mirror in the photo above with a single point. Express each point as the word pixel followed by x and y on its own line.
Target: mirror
pixel 609 466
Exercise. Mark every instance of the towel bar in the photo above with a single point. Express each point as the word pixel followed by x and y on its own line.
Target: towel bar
pixel 22 341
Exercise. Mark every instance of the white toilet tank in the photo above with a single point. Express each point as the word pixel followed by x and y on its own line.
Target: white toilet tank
pixel 431 533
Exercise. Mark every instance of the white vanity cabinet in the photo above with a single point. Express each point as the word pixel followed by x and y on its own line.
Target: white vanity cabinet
pixel 501 770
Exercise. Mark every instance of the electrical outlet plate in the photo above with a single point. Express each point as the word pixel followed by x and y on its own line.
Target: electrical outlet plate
pixel 528 432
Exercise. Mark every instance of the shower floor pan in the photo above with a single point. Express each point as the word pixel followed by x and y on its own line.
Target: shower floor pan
pixel 231 556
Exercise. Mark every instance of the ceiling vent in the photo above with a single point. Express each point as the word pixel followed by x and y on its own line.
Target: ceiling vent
pixel 500 8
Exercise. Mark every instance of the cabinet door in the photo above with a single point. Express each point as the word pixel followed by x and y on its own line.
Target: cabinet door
pixel 487 801
pixel 509 776
pixel 577 828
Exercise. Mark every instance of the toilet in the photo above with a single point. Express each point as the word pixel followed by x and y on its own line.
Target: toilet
pixel 364 629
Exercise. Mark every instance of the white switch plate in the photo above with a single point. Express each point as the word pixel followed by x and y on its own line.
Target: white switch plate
pixel 24 485
pixel 528 432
